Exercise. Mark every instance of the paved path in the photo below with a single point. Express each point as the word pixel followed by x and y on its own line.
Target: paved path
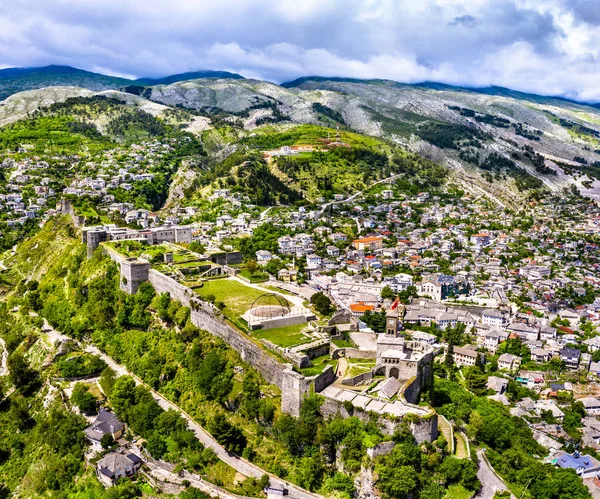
pixel 3 359
pixel 164 473
pixel 446 429
pixel 241 465
pixel 490 481
pixel 297 301
pixel 264 214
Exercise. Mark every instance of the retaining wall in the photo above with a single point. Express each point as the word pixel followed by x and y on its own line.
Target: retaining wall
pixel 358 379
pixel 323 380
pixel 317 351
pixel 351 353
pixel 298 359
pixel 381 449
pixel 294 386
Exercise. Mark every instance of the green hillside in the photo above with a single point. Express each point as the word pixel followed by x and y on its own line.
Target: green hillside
pixel 13 80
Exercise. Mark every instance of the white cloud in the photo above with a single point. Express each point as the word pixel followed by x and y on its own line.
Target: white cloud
pixel 550 47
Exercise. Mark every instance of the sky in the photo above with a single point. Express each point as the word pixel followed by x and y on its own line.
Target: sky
pixel 549 47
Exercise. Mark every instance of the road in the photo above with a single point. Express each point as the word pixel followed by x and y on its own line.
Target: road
pixel 163 472
pixel 241 465
pixel 490 482
pixel 264 214
pixel 351 198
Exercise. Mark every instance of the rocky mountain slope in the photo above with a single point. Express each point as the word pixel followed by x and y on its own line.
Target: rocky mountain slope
pixel 489 132
pixel 494 138
pixel 14 80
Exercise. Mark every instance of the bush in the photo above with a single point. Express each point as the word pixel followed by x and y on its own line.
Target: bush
pixel 84 364
pixel 83 399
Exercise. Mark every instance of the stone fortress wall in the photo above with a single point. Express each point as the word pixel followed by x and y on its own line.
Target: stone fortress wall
pixel 294 386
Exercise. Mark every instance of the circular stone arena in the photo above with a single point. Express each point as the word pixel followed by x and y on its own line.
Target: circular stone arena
pixel 269 306
pixel 268 312
pixel 272 310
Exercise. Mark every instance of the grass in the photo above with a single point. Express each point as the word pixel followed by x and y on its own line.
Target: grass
pixel 236 297
pixel 256 277
pixel 354 369
pixel 318 364
pixel 286 336
pixel 343 343
pixel 458 492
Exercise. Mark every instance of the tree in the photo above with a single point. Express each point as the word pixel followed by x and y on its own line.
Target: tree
pixel 252 267
pixel 197 247
pixel 214 377
pixel 107 441
pixel 107 380
pixel 341 483
pixel 449 359
pixel 322 303
pixel 226 434
pixel 387 293
pixel 406 295
pixel 375 320
pixel 83 399
pixel 397 482
pixel 20 375
pixel 477 381
pixel 193 493
pixel 122 396
pixel 311 471
pixel 287 430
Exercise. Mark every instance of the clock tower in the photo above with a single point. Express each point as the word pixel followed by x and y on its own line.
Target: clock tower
pixel 393 324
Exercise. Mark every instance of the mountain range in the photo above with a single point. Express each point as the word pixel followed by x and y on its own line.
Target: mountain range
pixel 491 137
pixel 13 80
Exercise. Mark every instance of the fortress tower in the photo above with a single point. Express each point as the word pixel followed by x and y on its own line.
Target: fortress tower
pixel 133 273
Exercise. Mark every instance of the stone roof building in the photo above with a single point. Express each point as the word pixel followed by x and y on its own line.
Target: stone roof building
pixel 116 465
pixel 106 424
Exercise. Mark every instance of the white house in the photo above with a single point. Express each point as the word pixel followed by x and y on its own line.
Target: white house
pixel 263 257
pixel 493 318
pixel 592 405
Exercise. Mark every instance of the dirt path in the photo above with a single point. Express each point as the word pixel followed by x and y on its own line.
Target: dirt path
pixel 353 197
pixel 342 368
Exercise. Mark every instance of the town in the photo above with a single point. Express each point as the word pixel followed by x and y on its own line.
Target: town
pixel 464 282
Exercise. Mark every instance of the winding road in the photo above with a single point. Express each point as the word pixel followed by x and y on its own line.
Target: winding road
pixel 351 198
pixel 490 481
pixel 244 467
